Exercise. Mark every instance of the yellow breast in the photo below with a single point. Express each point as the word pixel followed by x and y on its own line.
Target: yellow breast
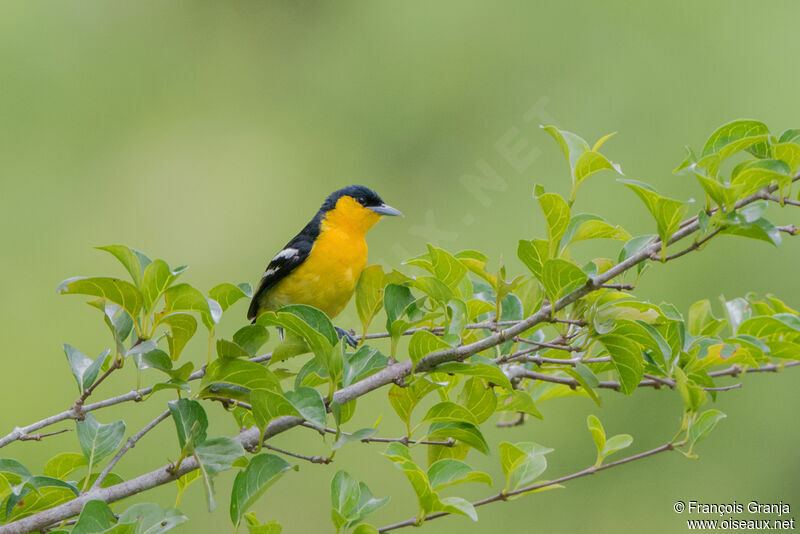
pixel 328 277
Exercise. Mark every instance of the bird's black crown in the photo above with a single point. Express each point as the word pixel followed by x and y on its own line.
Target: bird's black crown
pixel 363 195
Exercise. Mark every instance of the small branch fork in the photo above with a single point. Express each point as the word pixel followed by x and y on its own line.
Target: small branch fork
pixel 504 496
pixel 77 408
pixel 386 376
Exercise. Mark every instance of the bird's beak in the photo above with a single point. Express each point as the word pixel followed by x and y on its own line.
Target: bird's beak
pixel 383 209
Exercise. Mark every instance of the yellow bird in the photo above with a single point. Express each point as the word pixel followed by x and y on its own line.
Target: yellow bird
pixel 321 265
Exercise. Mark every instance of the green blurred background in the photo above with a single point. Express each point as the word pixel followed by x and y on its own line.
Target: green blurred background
pixel 207 133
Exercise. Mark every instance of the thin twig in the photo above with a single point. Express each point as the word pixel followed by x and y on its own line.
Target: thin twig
pixel 312 459
pixel 621 287
pixel 403 440
pixel 504 496
pixel 131 443
pixel 39 437
pixel 785 201
pixel 694 246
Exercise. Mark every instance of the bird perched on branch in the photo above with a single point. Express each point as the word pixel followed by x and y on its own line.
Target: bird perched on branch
pixel 321 265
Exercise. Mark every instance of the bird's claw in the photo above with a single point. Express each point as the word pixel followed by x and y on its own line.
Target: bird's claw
pixel 347 336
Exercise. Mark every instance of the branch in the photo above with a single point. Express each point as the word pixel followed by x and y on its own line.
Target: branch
pixel 504 496
pixel 388 375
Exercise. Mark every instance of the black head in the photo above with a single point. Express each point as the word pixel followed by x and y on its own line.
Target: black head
pixel 364 196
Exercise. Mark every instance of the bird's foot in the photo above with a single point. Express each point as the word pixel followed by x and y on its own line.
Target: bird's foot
pixel 348 337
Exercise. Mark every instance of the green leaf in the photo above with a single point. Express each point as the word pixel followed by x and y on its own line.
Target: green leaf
pixel 405 399
pixel 128 259
pixel 157 278
pixel 560 277
pixel 229 349
pixel 591 162
pixel 156 359
pixel 84 369
pixel 361 364
pixel 151 518
pixel 617 443
pixel 97 440
pixel 311 325
pixel 214 456
pixel 308 401
pixel 626 356
pixel 520 401
pixel 598 435
pixel 228 294
pixel 606 447
pixel 191 423
pixel 434 288
pixel 234 378
pixel 449 412
pixel 399 455
pixel 185 298
pixel 457 505
pixel 182 328
pixel 480 400
pixel 114 290
pixel 352 501
pixel 369 294
pixel 522 463
pixel 789 153
pixel 702 321
pixel 571 144
pixel 766 327
pixel 268 406
pixel 646 336
pixel 64 464
pixel 666 211
pixel 461 431
pixel 448 472
pixel 396 299
pixel 703 426
pixel 477 366
pixel 364 528
pixel 586 226
pixel 758 174
pixel 345 494
pixel 423 343
pixel 118 321
pixel 557 215
pixel 251 338
pixel 254 527
pixel 185 481
pixel 262 471
pixel 534 254
pixel 95 517
pixel 446 267
pixel 732 132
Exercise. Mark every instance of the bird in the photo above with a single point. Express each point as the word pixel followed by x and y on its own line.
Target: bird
pixel 321 265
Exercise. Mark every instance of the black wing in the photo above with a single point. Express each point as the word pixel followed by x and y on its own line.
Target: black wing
pixel 287 260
